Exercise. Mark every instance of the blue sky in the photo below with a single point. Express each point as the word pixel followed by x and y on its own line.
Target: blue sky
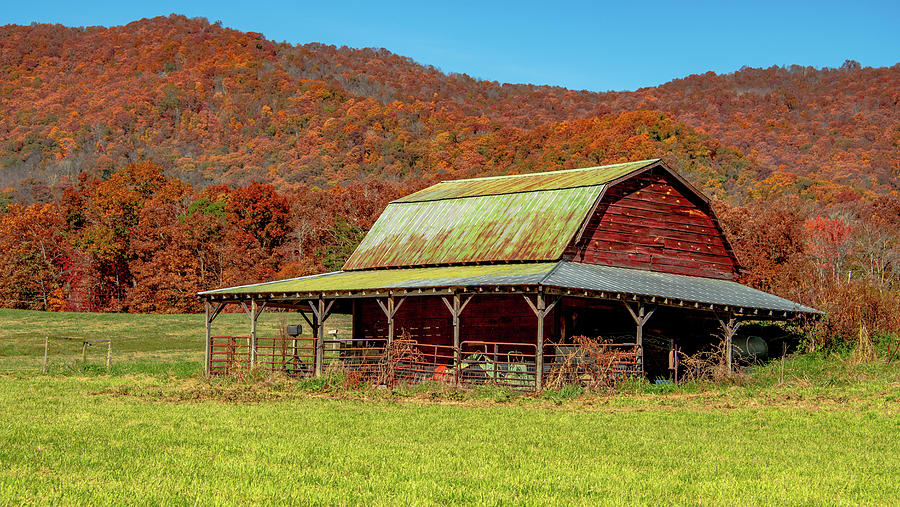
pixel 582 45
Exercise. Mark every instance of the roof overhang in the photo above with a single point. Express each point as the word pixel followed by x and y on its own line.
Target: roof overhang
pixel 561 278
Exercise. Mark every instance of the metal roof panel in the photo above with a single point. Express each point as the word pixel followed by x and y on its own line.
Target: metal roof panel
pixel 576 275
pixel 562 275
pixel 526 226
pixel 534 182
pixel 404 278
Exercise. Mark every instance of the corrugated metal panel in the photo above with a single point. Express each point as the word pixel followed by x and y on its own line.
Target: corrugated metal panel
pixel 409 278
pixel 574 275
pixel 564 275
pixel 552 180
pixel 529 226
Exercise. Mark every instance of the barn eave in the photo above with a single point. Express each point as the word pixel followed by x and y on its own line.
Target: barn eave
pixel 562 278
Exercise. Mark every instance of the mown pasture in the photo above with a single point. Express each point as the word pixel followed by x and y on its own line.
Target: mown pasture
pixel 817 429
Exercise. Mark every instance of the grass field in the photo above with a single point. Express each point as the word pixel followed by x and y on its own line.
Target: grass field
pixel 141 343
pixel 823 430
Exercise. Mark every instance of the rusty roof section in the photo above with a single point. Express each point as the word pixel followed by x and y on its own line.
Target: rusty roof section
pixel 551 180
pixel 518 218
pixel 526 226
pixel 374 279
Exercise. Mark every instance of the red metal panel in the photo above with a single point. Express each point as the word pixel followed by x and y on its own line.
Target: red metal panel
pixel 649 222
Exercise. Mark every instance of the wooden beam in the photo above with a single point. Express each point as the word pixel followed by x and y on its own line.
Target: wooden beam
pixel 392 308
pixel 321 315
pixel 208 320
pixel 309 322
pixel 456 309
pixel 215 312
pixel 540 309
pixel 253 316
pixel 640 315
pixel 320 312
pixel 389 311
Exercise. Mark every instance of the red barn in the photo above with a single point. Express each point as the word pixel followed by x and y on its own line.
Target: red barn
pixel 493 278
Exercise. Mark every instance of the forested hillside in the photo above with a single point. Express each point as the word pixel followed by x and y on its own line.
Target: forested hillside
pixel 213 105
pixel 141 163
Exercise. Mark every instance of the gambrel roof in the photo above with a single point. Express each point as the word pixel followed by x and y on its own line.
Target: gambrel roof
pixel 517 218
pixel 510 233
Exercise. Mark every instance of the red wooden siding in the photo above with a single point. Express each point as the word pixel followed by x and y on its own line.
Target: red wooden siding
pixel 492 318
pixel 426 319
pixel 652 222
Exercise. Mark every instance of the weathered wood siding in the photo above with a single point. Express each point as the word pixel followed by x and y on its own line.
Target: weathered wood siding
pixel 652 222
pixel 493 318
pixel 425 319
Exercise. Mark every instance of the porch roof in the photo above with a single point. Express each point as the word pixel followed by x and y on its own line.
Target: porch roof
pixel 560 277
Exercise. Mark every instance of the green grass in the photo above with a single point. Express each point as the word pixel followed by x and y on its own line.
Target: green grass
pixel 69 440
pixel 821 431
pixel 153 344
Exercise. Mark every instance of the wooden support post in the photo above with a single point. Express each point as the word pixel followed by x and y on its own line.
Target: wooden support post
pixel 730 325
pixel 390 309
pixel 208 323
pixel 108 354
pixel 211 314
pixel 84 346
pixel 46 350
pixel 456 309
pixel 354 327
pixel 253 316
pixel 540 309
pixel 320 338
pixel 314 331
pixel 318 361
pixel 391 304
pixel 254 311
pixel 320 312
pixel 640 316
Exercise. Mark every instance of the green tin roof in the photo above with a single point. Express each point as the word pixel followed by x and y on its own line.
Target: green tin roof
pixel 551 180
pixel 529 217
pixel 559 275
pixel 407 278
pixel 530 226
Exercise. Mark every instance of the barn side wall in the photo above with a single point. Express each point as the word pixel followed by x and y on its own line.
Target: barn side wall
pixel 490 318
pixel 652 222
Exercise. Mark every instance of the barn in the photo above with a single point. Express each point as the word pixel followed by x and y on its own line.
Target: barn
pixel 501 279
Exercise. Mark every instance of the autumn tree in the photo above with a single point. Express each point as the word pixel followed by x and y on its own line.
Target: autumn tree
pixel 33 252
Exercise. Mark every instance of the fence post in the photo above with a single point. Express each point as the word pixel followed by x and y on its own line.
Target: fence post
pixel 46 343
pixel 108 354
pixel 84 352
